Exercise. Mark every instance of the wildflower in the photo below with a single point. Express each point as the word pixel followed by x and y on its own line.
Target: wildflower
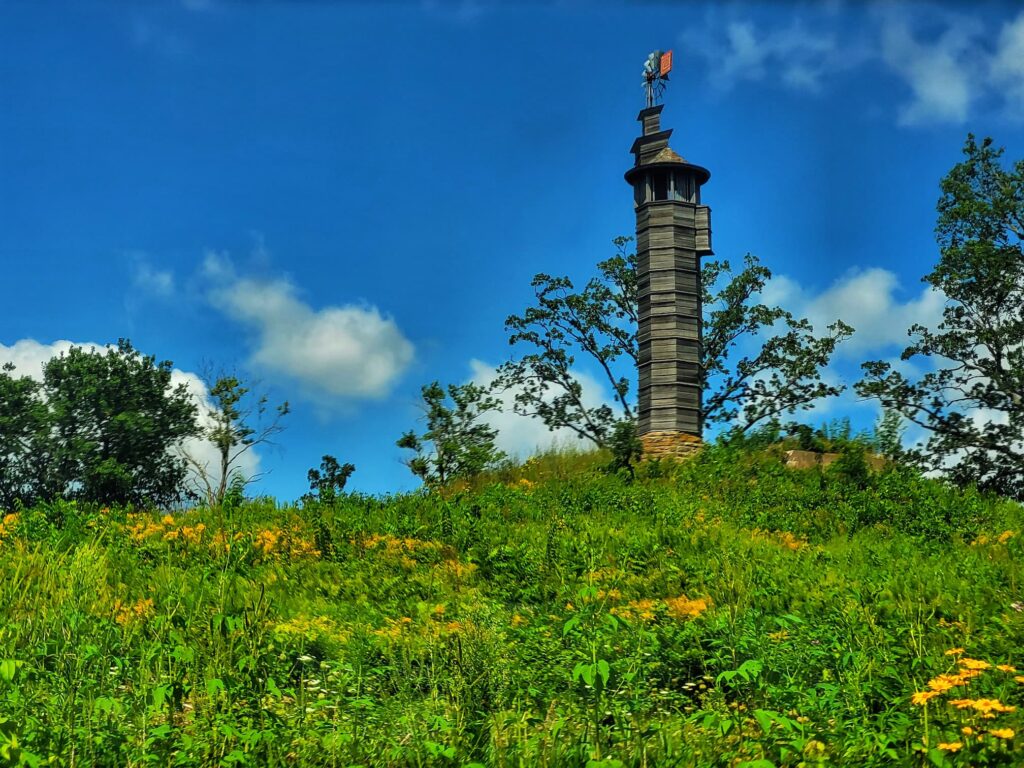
pixel 1019 678
pixel 974 664
pixel 682 607
pixel 1005 536
pixel 168 520
pixel 985 706
pixel 517 620
pixel 953 746
pixel 943 683
pixel 1002 733
pixel 921 697
pixel 1005 668
pixel 954 651
pixel 967 730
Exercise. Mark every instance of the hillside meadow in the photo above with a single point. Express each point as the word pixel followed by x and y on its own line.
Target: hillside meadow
pixel 726 611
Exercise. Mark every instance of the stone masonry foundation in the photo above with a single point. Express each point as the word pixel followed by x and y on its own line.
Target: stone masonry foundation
pixel 670 445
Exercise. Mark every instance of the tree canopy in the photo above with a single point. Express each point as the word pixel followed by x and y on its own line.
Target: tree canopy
pixel 115 424
pixel 758 361
pixel 970 399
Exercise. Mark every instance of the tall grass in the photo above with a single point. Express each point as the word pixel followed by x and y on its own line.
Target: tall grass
pixel 726 611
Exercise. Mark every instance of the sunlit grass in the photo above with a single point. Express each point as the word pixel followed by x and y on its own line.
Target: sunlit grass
pixel 725 611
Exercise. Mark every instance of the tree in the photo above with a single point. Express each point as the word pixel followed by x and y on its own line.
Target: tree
pixel 971 404
pixel 457 443
pixel 329 481
pixel 780 374
pixel 117 424
pixel 236 421
pixel 24 448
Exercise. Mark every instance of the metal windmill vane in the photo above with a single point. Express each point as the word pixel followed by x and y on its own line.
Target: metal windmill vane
pixel 656 69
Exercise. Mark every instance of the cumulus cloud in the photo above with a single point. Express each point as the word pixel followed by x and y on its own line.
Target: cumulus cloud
pixel 866 299
pixel 942 57
pixel 29 356
pixel 521 436
pixel 348 351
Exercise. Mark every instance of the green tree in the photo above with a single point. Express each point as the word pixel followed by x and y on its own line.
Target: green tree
pixel 329 481
pixel 971 401
pixel 236 421
pixel 758 362
pixel 457 442
pixel 24 444
pixel 117 426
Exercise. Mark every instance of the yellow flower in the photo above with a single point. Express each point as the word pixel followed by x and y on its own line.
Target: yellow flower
pixel 921 697
pixel 1002 733
pixel 974 664
pixel 953 746
pixel 1005 536
pixel 517 620
pixel 967 730
pixel 683 607
pixel 985 706
pixel 1006 668
pixel 954 651
pixel 1019 678
pixel 168 520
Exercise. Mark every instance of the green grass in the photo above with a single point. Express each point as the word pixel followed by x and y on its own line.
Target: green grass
pixel 723 612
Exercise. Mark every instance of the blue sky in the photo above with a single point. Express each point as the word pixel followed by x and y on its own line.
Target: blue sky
pixel 346 200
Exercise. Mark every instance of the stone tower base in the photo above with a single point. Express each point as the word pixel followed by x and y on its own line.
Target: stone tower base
pixel 670 445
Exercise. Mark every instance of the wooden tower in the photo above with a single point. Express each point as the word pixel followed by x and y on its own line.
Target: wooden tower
pixel 673 230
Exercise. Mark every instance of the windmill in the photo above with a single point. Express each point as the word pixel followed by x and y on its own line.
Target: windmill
pixel 656 70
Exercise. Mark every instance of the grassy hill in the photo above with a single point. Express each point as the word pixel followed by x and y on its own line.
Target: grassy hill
pixel 727 611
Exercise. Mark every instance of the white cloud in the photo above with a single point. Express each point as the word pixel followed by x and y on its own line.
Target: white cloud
pixel 349 351
pixel 940 73
pixel 147 278
pixel 29 356
pixel 941 56
pixel 867 300
pixel 1007 67
pixel 795 55
pixel 522 436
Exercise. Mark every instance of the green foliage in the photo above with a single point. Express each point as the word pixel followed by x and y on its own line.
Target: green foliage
pixel 236 421
pixel 758 362
pixel 115 423
pixel 625 447
pixel 24 449
pixel 600 322
pixel 457 443
pixel 329 481
pixel 731 612
pixel 971 403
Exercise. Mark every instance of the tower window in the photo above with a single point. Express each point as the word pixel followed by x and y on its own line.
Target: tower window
pixel 660 186
pixel 683 187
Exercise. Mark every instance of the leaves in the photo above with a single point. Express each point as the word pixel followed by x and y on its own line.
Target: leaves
pixel 115 423
pixel 457 443
pixel 758 362
pixel 970 400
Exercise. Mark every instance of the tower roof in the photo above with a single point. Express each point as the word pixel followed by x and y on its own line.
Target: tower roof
pixel 667 155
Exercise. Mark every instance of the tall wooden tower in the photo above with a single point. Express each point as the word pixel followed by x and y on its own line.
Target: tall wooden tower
pixel 673 230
